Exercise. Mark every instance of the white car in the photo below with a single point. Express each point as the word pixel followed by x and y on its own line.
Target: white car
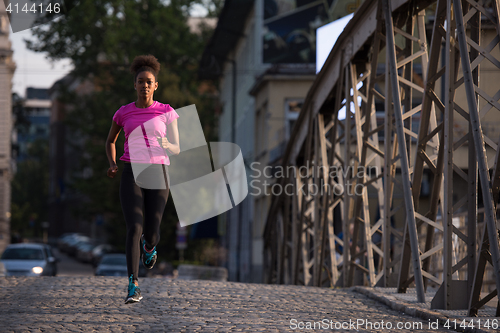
pixel 29 259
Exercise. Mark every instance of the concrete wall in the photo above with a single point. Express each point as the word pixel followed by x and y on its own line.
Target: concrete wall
pixel 238 220
pixel 271 96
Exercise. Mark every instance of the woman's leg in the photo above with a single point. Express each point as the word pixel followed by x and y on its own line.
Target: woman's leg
pixel 154 206
pixel 131 198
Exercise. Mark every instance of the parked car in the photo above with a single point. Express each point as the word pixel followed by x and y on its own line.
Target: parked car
pixel 66 242
pixel 65 238
pixel 73 245
pixel 3 271
pixel 99 251
pixel 62 239
pixel 115 264
pixel 112 265
pixel 53 262
pixel 84 252
pixel 29 260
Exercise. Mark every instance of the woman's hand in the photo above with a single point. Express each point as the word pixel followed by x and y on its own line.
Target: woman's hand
pixel 113 169
pixel 172 142
pixel 111 149
pixel 164 143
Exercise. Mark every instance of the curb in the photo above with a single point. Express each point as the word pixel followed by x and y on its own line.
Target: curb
pixel 412 310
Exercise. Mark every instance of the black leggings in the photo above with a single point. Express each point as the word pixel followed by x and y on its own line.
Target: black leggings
pixel 138 202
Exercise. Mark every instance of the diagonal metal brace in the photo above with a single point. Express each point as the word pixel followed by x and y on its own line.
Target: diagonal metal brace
pixel 489 211
pixel 405 174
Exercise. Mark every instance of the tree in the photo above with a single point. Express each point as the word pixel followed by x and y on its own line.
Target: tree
pixel 101 38
pixel 99 34
pixel 30 182
pixel 30 190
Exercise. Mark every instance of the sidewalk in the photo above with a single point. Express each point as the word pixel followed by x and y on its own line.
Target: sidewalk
pixel 455 319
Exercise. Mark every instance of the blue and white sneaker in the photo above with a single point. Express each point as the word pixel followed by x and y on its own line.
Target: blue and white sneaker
pixel 134 292
pixel 148 257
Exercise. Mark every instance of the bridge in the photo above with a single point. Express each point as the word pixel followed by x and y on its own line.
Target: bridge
pixel 394 161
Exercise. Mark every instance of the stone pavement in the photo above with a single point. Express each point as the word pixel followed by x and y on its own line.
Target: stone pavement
pixel 87 304
pixel 407 303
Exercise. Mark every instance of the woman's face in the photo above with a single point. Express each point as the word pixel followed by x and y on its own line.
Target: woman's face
pixel 145 84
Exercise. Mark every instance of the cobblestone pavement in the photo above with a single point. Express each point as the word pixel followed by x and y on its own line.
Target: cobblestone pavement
pixel 484 322
pixel 76 304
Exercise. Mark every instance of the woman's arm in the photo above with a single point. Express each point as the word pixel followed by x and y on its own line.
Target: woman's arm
pixel 172 142
pixel 111 148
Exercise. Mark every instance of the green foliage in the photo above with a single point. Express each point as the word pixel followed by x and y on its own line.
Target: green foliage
pixel 102 38
pixel 118 30
pixel 30 190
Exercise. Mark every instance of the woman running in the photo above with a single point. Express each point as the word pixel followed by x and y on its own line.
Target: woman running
pixel 153 126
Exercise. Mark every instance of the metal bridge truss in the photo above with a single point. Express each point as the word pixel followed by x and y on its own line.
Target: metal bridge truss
pixel 337 139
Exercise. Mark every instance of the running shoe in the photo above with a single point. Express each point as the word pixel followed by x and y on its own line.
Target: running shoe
pixel 148 257
pixel 134 292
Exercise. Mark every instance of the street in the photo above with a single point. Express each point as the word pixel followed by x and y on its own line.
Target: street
pixel 68 266
pixel 78 301
pixel 85 304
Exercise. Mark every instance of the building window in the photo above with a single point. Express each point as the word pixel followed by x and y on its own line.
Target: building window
pixel 292 110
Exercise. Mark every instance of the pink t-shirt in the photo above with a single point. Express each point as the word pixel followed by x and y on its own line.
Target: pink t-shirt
pixel 142 126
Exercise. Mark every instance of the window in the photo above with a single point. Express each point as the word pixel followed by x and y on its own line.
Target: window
pixel 261 131
pixel 292 111
pixel 22 254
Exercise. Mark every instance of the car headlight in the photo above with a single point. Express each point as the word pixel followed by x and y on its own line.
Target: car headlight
pixel 37 270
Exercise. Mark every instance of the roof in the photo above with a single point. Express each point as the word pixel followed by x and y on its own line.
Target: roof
pixel 229 30
pixel 37 93
pixel 66 80
pixel 37 103
pixel 195 23
pixel 26 245
pixel 286 72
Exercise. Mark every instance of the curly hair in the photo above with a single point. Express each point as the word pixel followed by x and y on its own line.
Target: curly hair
pixel 145 63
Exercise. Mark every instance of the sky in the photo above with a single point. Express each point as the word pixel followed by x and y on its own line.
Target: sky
pixel 326 36
pixel 34 70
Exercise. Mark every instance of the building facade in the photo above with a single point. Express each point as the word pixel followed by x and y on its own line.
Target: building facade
pixel 233 56
pixel 279 94
pixel 263 54
pixel 61 198
pixel 37 106
pixel 7 68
